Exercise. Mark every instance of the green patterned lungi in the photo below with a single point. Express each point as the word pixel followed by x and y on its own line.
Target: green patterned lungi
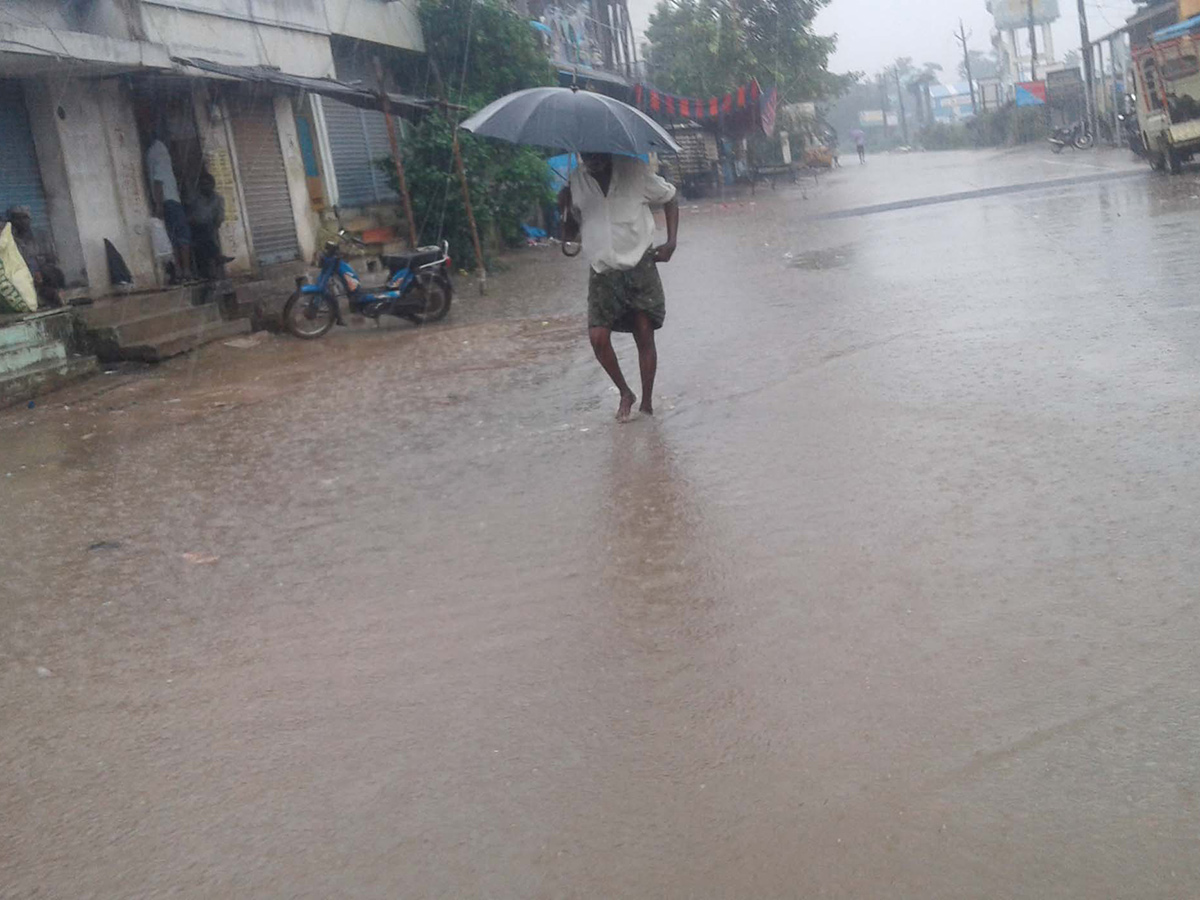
pixel 614 296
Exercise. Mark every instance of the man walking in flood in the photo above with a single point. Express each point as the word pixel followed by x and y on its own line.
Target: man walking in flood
pixel 608 201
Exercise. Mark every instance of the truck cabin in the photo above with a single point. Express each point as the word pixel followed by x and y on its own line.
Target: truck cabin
pixel 1171 71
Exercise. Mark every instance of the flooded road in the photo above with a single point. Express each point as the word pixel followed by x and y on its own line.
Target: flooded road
pixel 895 597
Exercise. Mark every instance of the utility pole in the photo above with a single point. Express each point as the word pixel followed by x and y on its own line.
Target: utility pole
pixel 1089 77
pixel 1033 44
pixel 900 98
pixel 962 39
pixel 883 103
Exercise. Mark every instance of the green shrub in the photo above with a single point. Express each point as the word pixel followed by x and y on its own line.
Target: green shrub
pixel 506 182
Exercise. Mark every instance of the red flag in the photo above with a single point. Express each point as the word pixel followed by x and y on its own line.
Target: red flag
pixel 728 103
pixel 742 98
pixel 654 101
pixel 685 108
pixel 637 96
pixel 670 105
pixel 769 106
pixel 712 107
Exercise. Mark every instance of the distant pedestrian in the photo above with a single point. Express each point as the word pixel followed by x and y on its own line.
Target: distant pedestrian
pixel 38 252
pixel 860 144
pixel 165 203
pixel 205 215
pixel 608 199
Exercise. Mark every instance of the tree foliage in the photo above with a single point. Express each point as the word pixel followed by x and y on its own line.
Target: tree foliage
pixel 504 54
pixel 506 182
pixel 983 65
pixel 707 47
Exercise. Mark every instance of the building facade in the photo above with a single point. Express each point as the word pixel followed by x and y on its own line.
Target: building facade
pixel 247 91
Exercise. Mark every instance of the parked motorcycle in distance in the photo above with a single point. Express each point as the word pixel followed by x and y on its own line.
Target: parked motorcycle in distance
pixel 418 289
pixel 1076 136
pixel 1132 133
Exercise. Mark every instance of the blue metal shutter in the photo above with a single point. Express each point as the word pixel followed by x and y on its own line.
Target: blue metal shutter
pixel 357 138
pixel 20 177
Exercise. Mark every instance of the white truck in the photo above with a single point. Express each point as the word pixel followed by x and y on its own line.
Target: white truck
pixel 1168 94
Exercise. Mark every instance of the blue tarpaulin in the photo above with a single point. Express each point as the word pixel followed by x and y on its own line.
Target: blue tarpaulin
pixel 1179 29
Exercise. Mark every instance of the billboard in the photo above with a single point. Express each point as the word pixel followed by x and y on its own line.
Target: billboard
pixel 1014 14
pixel 1031 93
pixel 873 118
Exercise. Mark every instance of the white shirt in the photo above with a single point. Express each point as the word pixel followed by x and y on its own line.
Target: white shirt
pixel 618 228
pixel 158 164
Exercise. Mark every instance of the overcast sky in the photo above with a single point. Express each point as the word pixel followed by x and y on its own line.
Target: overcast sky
pixel 871 33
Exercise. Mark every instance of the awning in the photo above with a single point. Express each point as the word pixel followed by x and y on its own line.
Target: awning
pixel 326 87
pixel 1145 15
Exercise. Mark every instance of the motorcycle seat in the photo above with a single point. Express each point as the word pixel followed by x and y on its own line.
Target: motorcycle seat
pixel 420 257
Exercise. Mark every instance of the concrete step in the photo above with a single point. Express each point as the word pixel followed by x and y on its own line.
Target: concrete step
pixel 164 346
pixel 148 328
pixel 33 330
pixel 15 359
pixel 29 383
pixel 123 310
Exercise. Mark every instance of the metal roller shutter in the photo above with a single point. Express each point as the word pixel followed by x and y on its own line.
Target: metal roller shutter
pixel 264 180
pixel 357 138
pixel 20 177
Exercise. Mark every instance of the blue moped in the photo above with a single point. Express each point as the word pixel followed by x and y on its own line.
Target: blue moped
pixel 417 288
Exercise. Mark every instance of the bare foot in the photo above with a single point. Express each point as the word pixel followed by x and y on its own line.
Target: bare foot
pixel 624 411
pixel 647 408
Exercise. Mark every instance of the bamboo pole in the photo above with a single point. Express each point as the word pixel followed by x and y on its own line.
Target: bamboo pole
pixel 396 160
pixel 462 180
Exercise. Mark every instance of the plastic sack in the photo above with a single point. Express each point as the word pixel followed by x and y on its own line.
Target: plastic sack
pixel 17 291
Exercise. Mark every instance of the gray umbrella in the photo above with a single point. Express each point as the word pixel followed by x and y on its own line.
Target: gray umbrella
pixel 572 120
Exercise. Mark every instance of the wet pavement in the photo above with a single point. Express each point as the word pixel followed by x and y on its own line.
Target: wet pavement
pixel 895 597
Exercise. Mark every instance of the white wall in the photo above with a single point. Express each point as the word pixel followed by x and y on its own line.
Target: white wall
pixel 392 23
pixel 102 159
pixel 305 216
pixel 287 34
pixel 212 124
pixel 41 105
pixel 110 18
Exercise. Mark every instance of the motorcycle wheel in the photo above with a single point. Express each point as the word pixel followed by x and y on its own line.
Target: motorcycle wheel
pixel 436 295
pixel 1174 162
pixel 310 319
pixel 1085 141
pixel 1057 148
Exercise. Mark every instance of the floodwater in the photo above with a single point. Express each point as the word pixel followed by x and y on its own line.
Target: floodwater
pixel 895 597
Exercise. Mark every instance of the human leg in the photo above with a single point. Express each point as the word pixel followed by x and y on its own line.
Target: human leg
pixel 601 339
pixel 180 233
pixel 643 336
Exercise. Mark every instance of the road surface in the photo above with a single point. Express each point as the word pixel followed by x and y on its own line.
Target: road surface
pixel 895 597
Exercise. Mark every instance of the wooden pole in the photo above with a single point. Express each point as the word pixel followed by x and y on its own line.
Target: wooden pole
pixel 462 180
pixel 396 160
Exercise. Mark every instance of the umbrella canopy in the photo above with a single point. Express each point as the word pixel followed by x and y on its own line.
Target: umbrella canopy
pixel 572 120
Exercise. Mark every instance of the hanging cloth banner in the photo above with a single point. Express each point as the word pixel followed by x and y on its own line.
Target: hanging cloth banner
pixel 737 111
